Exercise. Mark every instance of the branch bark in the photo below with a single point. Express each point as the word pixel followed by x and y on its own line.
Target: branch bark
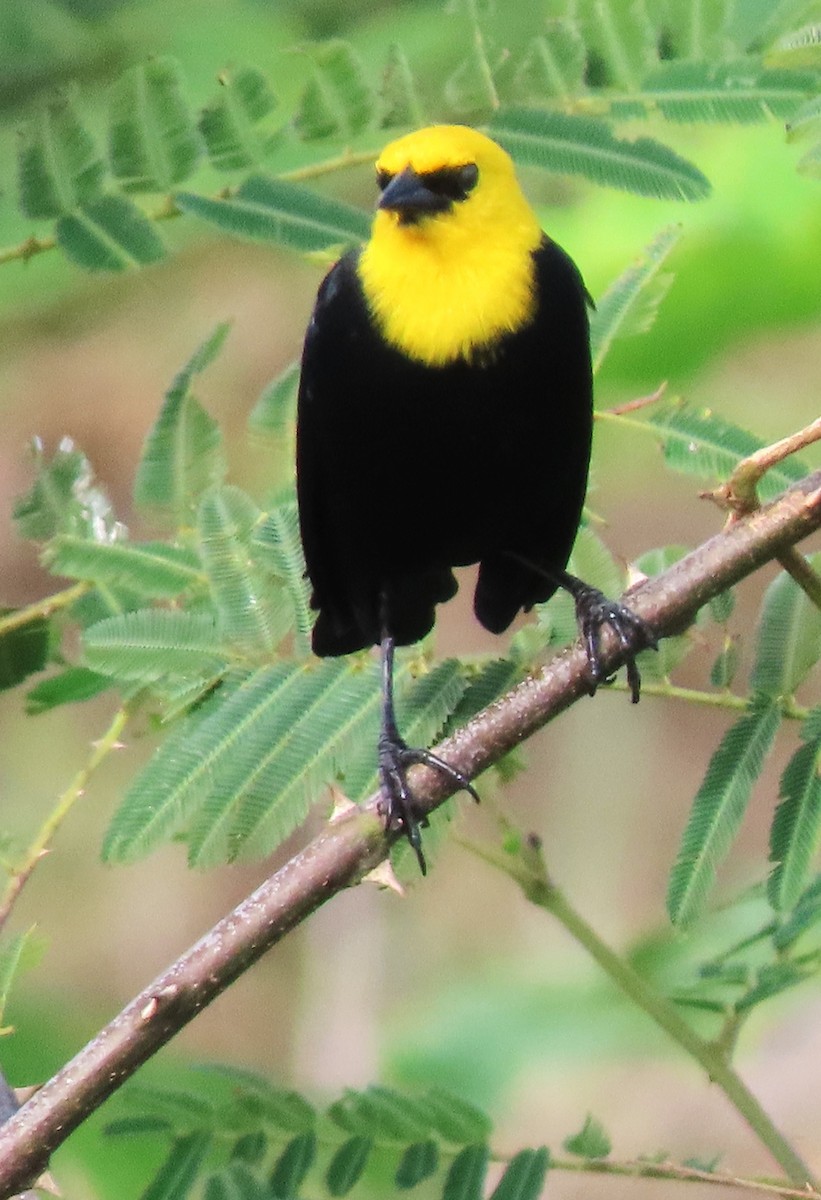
pixel 353 844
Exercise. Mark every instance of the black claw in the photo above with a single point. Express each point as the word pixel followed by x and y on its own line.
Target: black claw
pixel 395 757
pixel 593 611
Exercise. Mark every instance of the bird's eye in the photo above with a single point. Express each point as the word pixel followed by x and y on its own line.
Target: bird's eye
pixel 383 178
pixel 455 183
pixel 468 177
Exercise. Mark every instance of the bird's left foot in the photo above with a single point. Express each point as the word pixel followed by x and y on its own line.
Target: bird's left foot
pixel 402 811
pixel 593 611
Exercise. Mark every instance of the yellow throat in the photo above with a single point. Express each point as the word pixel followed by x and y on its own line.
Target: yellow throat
pixel 451 284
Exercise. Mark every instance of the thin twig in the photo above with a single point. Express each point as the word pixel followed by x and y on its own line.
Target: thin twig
pixel 21 871
pixel 18 617
pixel 527 868
pixel 739 496
pixel 640 1169
pixel 347 848
pixel 168 210
pixel 630 406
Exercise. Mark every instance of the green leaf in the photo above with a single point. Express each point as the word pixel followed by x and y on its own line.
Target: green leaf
pixel 109 234
pixel 180 1169
pixel 700 442
pixel 455 1120
pixel 577 145
pixel 400 99
pixel 346 1167
pixel 241 772
pixel 230 123
pixel 274 210
pixel 183 454
pixel 151 569
pixel 23 651
pixel 64 499
pixel 798 48
pixel 805 915
pixel 284 1110
pixel 235 1182
pixel 590 1142
pixel 524 1177
pixel 381 1113
pixel 254 614
pixel 183 1110
pixel 59 166
pixel 71 686
pixel 738 92
pixel 153 643
pixel 293 1165
pixel 788 637
pixel 623 40
pixel 719 807
pixel 135 1126
pixel 275 410
pixel 338 100
pixel 553 65
pixel 250 1148
pixel 772 980
pixel 466 1178
pixel 796 827
pixel 470 89
pixel 419 1162
pixel 723 670
pixel 630 305
pixel 279 543
pixel 153 141
pixel 17 954
pixel 806 122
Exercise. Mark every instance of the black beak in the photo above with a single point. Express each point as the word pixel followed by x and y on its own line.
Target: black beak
pixel 409 196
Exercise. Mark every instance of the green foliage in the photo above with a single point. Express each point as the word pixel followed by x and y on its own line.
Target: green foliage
pixel 230 124
pixel 59 166
pixel 204 625
pixel 183 453
pixel 630 305
pixel 17 954
pixel 586 146
pixel 554 93
pixel 274 210
pixel 591 1141
pixel 375 1134
pixel 153 141
pixel 719 807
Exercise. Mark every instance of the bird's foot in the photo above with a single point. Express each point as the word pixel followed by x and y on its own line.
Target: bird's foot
pixel 593 611
pixel 402 811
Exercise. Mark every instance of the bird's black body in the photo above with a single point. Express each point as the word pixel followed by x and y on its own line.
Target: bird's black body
pixel 406 470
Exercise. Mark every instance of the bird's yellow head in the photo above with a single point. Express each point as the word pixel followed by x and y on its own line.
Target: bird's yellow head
pixel 448 269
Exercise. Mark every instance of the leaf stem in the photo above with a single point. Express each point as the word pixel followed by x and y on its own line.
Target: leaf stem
pixel 528 870
pixel 22 870
pixel 674 1171
pixel 728 700
pixel 43 608
pixel 27 249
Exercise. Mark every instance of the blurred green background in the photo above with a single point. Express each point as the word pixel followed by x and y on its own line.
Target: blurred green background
pixel 460 983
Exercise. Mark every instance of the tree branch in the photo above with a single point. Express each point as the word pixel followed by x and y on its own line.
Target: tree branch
pixel 352 845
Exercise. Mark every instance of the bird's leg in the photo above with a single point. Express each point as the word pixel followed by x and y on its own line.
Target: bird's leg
pixel 395 756
pixel 593 610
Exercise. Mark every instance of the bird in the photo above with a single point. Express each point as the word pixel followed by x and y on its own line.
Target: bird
pixel 444 418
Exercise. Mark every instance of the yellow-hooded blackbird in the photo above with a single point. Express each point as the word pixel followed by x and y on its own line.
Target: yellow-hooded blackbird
pixel 444 418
